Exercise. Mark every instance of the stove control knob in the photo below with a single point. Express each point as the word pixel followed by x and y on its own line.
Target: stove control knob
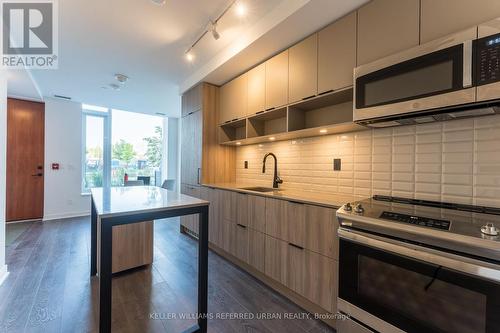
pixel 359 209
pixel 347 207
pixel 489 229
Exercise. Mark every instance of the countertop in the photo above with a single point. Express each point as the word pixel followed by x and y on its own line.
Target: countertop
pixel 117 201
pixel 308 197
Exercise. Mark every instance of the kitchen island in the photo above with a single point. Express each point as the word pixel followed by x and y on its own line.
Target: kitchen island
pixel 117 206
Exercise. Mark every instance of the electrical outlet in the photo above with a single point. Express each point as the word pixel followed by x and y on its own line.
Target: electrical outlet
pixel 246 164
pixel 337 164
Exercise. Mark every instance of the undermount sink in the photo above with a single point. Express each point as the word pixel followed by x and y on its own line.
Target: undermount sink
pixel 259 189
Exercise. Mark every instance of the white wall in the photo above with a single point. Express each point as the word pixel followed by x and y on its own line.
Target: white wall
pixel 3 171
pixel 63 145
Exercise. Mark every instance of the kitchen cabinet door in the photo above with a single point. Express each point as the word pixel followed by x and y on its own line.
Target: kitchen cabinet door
pixel 443 17
pixel 256 89
pixel 320 231
pixel 195 97
pixel 303 69
pixel 257 212
pixel 233 99
pixel 242 209
pixel 319 280
pixel 190 221
pixel 191 145
pixel 277 81
pixel 276 223
pixel 386 27
pixel 296 269
pixel 211 195
pixel 228 237
pixel 337 54
pixel 276 259
pixel 242 242
pixel 257 250
pixel 296 223
pixel 228 205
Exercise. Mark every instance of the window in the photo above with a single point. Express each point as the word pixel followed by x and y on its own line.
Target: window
pixel 117 143
pixel 95 153
pixel 136 147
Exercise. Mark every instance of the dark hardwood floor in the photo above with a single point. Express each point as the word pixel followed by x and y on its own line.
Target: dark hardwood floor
pixel 49 289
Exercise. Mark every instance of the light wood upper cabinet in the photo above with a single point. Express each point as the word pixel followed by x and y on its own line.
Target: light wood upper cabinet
pixel 233 99
pixel 303 69
pixel 386 27
pixel 192 100
pixel 277 81
pixel 256 89
pixel 337 54
pixel 443 17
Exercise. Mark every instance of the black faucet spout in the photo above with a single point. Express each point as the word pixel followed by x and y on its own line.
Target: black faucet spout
pixel 276 180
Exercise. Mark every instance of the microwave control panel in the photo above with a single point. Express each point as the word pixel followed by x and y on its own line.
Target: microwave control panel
pixel 487 59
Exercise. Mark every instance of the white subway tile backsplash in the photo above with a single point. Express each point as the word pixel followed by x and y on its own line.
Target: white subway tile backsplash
pixel 457 161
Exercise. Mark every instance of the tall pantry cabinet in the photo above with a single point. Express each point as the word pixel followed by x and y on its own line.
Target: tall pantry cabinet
pixel 203 160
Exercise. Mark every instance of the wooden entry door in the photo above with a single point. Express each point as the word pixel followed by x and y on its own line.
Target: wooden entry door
pixel 25 159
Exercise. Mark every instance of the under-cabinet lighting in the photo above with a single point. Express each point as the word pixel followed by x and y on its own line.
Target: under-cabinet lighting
pixel 323 130
pixel 238 143
pixel 272 138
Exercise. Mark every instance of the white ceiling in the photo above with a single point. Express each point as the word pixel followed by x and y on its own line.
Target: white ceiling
pixel 147 43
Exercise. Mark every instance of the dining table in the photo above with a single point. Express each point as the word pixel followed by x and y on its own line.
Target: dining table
pixel 115 206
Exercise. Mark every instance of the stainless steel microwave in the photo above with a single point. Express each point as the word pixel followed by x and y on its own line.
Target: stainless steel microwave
pixel 453 77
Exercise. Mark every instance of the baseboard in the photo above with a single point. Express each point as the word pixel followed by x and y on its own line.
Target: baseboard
pixel 3 274
pixel 49 217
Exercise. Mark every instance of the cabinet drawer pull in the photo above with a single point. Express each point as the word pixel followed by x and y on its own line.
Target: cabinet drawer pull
pixel 308 97
pixel 270 109
pixel 227 121
pixel 296 246
pixel 241 225
pixel 260 112
pixel 326 92
pixel 296 202
pixel 234 119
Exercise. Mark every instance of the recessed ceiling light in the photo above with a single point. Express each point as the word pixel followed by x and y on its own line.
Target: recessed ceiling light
pixel 241 9
pixel 159 2
pixel 122 78
pixel 189 56
pixel 272 138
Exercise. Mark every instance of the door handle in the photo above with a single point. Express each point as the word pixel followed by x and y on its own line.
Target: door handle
pixel 37 175
pixel 198 176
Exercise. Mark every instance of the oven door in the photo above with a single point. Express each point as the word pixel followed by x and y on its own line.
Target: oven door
pixel 434 75
pixel 417 289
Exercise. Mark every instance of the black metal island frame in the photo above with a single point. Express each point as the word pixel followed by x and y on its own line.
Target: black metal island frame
pixel 112 206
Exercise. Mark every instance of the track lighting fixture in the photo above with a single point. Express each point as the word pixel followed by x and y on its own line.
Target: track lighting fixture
pixel 241 11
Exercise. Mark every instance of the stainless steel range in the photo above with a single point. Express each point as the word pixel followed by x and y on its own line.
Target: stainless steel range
pixel 419 266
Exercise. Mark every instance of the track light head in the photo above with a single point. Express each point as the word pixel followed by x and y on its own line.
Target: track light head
pixel 213 30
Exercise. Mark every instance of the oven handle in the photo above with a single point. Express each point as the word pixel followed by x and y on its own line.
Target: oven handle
pixel 440 258
pixel 467 63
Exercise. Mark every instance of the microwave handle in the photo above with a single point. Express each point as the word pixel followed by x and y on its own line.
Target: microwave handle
pixel 447 260
pixel 467 63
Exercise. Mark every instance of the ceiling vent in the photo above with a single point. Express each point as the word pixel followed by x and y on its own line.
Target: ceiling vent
pixel 63 97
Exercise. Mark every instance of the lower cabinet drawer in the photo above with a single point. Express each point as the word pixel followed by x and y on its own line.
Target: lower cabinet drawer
pixel 309 274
